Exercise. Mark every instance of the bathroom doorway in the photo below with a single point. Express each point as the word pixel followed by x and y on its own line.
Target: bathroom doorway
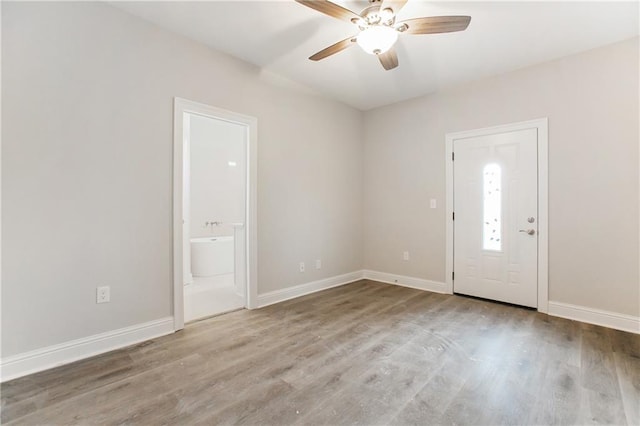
pixel 214 211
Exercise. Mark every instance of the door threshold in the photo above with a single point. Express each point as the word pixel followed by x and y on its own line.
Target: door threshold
pixel 208 317
pixel 529 308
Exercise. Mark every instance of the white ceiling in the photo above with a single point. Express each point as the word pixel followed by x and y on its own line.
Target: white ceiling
pixel 280 35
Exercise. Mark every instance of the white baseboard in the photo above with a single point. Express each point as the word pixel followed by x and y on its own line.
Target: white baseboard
pixel 303 289
pixel 64 353
pixel 404 281
pixel 53 356
pixel 595 316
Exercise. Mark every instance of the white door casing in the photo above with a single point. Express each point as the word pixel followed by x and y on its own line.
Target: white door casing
pixel 494 198
pixel 513 159
pixel 247 232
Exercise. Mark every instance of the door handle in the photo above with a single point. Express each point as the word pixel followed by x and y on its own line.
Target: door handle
pixel 528 231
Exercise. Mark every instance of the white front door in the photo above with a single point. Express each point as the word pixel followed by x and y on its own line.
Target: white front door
pixel 495 205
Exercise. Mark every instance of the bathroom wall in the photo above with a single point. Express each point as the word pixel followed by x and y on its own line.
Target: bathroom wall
pixel 218 175
pixel 87 143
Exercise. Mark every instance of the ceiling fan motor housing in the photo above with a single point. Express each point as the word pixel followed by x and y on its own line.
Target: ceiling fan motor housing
pixel 373 15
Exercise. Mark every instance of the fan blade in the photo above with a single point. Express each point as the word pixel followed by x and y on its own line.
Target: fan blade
pixel 331 9
pixel 334 48
pixel 435 24
pixel 394 5
pixel 389 59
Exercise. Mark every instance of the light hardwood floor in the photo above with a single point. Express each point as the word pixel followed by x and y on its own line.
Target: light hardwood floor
pixel 366 353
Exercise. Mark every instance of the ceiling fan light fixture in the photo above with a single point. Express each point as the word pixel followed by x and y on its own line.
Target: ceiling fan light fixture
pixel 377 39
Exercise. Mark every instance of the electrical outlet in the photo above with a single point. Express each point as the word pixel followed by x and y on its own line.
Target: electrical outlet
pixel 432 203
pixel 301 266
pixel 405 255
pixel 103 294
pixel 318 263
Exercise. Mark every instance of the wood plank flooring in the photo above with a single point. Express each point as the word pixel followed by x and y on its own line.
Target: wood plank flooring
pixel 366 353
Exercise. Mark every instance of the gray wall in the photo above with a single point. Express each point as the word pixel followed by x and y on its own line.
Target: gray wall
pixel 591 100
pixel 87 94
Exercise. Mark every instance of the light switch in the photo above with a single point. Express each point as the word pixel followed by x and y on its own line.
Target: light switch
pixel 432 203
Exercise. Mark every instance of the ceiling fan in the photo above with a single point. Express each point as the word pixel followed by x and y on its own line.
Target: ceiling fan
pixel 378 29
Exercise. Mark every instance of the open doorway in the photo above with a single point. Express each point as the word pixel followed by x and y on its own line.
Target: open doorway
pixel 214 211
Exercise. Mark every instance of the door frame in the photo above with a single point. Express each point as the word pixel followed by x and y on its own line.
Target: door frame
pixel 541 125
pixel 180 107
